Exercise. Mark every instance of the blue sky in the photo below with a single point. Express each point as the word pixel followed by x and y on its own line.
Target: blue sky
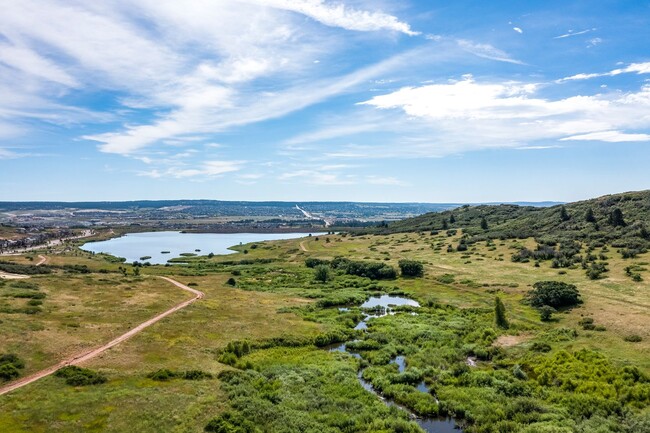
pixel 359 100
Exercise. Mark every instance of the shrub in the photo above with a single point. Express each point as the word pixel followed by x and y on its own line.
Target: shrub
pixel 446 278
pixel 546 313
pixel 322 273
pixel 540 347
pixel 8 372
pixel 162 375
pixel 555 294
pixel 411 268
pixel 196 375
pixel 13 359
pixel 229 422
pixel 231 282
pixel 78 376
pixel 633 338
pixel 312 262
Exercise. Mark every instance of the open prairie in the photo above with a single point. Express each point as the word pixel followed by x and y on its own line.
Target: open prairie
pixel 266 297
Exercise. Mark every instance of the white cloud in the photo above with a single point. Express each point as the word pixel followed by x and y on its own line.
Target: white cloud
pixel 487 51
pixel 30 62
pixel 8 154
pixel 204 170
pixel 189 66
pixel 461 116
pixel 609 136
pixel 340 15
pixel 317 178
pixel 215 109
pixel 518 30
pixel 385 180
pixel 633 68
pixel 593 42
pixel 571 33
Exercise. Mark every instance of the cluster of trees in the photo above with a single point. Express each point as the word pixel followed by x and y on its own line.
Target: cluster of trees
pixel 372 270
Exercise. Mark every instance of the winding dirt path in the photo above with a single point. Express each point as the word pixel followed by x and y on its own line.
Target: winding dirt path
pixel 42 260
pixel 303 247
pixel 82 357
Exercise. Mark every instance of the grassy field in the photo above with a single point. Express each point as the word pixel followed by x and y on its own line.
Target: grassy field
pixel 274 302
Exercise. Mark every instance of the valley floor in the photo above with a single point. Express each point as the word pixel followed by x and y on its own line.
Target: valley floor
pixel 257 338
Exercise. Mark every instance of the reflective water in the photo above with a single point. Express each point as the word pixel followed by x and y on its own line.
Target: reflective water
pixel 430 425
pixel 162 246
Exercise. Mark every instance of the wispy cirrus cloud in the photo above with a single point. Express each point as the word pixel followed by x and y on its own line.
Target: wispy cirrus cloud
pixel 340 15
pixel 487 51
pixel 191 68
pixel 205 170
pixel 571 33
pixel 633 68
pixel 609 136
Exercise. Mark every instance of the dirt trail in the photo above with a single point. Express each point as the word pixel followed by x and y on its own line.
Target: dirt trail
pixel 42 260
pixel 303 247
pixel 80 358
pixel 8 276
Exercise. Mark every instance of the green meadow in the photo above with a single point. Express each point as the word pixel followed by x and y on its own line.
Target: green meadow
pixel 257 340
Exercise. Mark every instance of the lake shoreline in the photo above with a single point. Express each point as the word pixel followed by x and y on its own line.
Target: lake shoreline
pixel 162 246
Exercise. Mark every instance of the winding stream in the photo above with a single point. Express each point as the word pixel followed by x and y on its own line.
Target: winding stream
pixel 383 306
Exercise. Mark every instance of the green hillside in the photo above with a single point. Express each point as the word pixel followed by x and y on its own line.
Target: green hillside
pixel 620 220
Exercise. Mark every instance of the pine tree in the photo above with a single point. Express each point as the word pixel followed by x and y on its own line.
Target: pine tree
pixel 564 216
pixel 484 223
pixel 445 226
pixel 589 216
pixel 500 314
pixel 452 219
pixel 616 218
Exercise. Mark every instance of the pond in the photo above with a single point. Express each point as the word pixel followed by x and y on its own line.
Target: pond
pixel 159 247
pixel 385 303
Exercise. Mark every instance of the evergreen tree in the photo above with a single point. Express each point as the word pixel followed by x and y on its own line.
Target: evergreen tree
pixel 445 226
pixel 484 223
pixel 616 218
pixel 500 314
pixel 452 219
pixel 589 216
pixel 564 216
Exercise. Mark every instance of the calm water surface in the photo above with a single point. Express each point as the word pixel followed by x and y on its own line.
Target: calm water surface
pixel 133 246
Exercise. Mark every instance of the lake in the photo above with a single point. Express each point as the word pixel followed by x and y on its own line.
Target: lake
pixel 133 246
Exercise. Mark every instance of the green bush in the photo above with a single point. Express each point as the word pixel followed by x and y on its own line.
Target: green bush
pixel 11 358
pixel 10 366
pixel 78 376
pixel 554 294
pixel 162 375
pixel 8 372
pixel 322 273
pixel 546 313
pixel 196 375
pixel 411 268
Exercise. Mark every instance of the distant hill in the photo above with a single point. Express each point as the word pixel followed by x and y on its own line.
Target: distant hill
pixel 620 219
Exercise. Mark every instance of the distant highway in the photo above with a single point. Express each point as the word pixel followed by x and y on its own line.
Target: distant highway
pixel 311 216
